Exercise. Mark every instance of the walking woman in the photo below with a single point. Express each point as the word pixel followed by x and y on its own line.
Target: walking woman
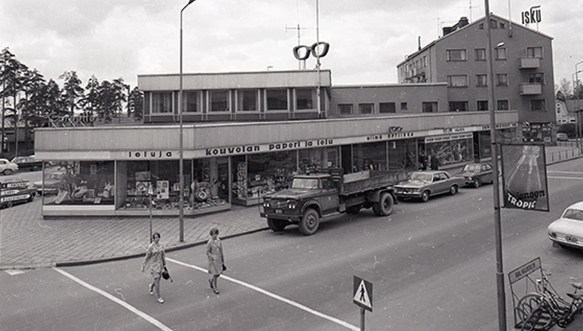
pixel 214 252
pixel 154 263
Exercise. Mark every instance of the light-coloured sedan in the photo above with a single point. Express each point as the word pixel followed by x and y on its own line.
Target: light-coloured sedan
pixel 568 230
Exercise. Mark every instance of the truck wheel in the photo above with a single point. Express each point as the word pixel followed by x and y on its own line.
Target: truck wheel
pixel 425 196
pixel 353 209
pixel 385 205
pixel 276 225
pixel 309 222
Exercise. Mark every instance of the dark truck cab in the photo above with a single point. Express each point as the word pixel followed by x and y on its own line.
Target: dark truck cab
pixel 328 192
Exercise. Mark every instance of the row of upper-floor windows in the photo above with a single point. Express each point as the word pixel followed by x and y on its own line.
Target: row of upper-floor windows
pixel 253 100
pixel 430 107
pixel 457 55
pixel 481 80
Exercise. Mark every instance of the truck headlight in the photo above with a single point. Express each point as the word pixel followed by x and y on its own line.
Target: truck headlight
pixel 291 205
pixel 266 204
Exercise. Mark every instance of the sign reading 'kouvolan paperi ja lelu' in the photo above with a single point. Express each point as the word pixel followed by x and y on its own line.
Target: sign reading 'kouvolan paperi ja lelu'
pixel 524 176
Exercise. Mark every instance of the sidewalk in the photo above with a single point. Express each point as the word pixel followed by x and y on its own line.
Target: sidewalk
pixel 28 241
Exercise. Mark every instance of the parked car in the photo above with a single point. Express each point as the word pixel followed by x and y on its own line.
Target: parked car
pixel 7 167
pixel 562 136
pixel 15 190
pixel 424 184
pixel 475 174
pixel 28 163
pixel 568 230
pixel 52 181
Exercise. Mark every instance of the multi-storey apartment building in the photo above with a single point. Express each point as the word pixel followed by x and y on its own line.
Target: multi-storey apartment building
pixel 246 133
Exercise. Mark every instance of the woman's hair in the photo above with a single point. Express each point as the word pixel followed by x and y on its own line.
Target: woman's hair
pixel 213 231
pixel 156 234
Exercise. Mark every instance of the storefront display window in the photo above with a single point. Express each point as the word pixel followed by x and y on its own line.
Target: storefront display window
pixel 315 158
pixel 210 183
pixel 450 149
pixel 371 156
pixel 78 183
pixel 402 155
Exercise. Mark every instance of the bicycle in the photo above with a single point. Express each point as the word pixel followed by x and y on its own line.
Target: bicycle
pixel 549 308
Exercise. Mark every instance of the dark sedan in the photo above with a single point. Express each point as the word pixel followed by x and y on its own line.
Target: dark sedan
pixel 423 184
pixel 475 174
pixel 28 163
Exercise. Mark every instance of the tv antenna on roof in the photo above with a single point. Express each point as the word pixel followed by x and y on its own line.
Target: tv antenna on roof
pixel 301 63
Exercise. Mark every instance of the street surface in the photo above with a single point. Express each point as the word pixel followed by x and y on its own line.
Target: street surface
pixel 432 266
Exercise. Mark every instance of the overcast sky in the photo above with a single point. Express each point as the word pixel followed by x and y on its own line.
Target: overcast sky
pixel 368 38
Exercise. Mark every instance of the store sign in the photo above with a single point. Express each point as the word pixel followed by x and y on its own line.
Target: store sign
pixel 152 155
pixel 533 15
pixel 448 137
pixel 292 145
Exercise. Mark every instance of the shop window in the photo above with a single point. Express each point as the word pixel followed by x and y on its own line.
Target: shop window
pixel 277 100
pixel 402 155
pixel 161 103
pixel 454 55
pixel 536 78
pixel 458 106
pixel 305 99
pixel 500 53
pixel 451 151
pixel 366 108
pixel 538 105
pixel 345 109
pixel 480 54
pixel 315 158
pixel 79 183
pixel 387 107
pixel 404 106
pixel 457 80
pixel 219 100
pixel 481 80
pixel 191 102
pixel 247 100
pixel 534 52
pixel 501 79
pixel 372 156
pixel 429 107
pixel 503 105
pixel 482 105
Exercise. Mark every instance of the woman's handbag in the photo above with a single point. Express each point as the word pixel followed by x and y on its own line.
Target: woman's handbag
pixel 166 274
pixel 224 267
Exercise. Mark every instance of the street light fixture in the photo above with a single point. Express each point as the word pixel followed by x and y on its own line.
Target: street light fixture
pixel 180 146
pixel 496 184
pixel 578 128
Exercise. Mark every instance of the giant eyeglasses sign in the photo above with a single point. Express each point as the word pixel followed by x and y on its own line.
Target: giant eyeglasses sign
pixel 524 177
pixel 319 49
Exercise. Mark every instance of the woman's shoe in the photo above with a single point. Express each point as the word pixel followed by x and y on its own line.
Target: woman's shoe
pixel 160 300
pixel 211 284
pixel 216 290
pixel 151 286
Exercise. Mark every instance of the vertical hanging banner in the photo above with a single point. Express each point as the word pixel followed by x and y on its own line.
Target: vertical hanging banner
pixel 524 177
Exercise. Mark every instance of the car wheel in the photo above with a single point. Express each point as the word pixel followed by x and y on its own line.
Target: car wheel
pixel 8 172
pixel 453 190
pixel 385 205
pixel 9 204
pixel 309 222
pixel 276 225
pixel 425 196
pixel 32 196
pixel 477 183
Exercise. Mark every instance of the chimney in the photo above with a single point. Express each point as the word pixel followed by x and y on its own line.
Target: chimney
pixel 463 22
pixel 419 43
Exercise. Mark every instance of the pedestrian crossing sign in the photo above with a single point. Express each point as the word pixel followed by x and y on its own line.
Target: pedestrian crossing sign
pixel 362 293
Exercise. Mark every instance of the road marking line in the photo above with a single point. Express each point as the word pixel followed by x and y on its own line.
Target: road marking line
pixel 569 178
pixel 124 304
pixel 274 296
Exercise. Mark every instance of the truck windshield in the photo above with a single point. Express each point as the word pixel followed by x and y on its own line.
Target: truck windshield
pixel 305 183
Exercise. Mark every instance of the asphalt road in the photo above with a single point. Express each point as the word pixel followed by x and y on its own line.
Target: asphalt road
pixel 432 265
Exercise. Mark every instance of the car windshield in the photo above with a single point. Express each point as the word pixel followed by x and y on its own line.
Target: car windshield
pixel 422 177
pixel 574 214
pixel 472 167
pixel 56 175
pixel 305 183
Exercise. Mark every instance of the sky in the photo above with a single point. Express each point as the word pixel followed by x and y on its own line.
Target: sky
pixel 368 38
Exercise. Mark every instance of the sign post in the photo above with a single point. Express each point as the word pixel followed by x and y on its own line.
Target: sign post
pixel 362 297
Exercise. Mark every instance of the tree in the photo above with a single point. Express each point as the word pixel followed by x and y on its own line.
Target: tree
pixel 31 105
pixel 565 88
pixel 136 104
pixel 72 89
pixel 90 102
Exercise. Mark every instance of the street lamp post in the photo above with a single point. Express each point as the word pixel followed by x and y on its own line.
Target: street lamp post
pixel 180 139
pixel 496 185
pixel 578 128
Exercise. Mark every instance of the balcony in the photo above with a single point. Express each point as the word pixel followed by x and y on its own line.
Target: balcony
pixel 530 89
pixel 529 63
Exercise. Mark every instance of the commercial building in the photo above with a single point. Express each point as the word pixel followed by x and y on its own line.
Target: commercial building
pixel 246 133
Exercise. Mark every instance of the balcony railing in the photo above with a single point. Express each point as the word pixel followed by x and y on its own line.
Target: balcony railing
pixel 530 89
pixel 529 63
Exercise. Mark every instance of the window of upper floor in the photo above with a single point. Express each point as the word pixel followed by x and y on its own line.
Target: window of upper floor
pixel 277 99
pixel 345 109
pixel 454 55
pixel 481 80
pixel 305 98
pixel 503 105
pixel 500 53
pixel 219 100
pixel 457 80
pixel 161 102
pixel 404 106
pixel 458 106
pixel 538 105
pixel 429 106
pixel 247 100
pixel 480 54
pixel 501 79
pixel 482 105
pixel 536 78
pixel 387 107
pixel 534 52
pixel 366 108
pixel 191 101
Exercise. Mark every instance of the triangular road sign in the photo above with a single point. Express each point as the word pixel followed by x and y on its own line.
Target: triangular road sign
pixel 362 293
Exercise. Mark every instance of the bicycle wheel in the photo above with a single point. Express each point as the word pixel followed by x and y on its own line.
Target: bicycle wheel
pixel 539 320
pixel 525 306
